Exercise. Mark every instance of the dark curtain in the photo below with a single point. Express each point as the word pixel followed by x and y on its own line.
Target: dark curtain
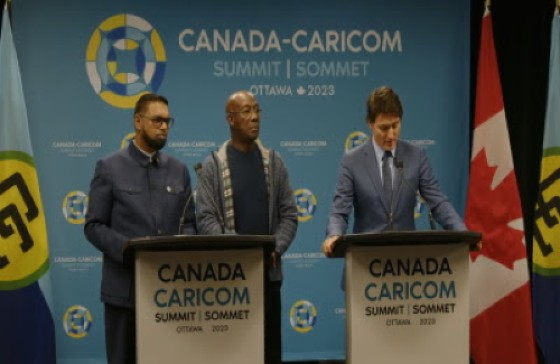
pixel 522 40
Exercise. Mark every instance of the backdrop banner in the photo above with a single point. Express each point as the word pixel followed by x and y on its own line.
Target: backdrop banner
pixel 311 65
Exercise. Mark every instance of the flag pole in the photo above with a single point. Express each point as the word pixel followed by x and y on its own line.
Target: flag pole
pixel 487 6
pixel 8 7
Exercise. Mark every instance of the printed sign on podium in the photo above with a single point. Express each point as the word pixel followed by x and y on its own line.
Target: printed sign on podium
pixel 407 296
pixel 200 298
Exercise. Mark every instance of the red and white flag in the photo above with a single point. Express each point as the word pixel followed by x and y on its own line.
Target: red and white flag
pixel 501 329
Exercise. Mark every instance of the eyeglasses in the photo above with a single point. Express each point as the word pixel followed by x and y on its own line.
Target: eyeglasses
pixel 248 112
pixel 157 121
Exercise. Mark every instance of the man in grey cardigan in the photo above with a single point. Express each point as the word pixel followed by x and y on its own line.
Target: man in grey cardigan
pixel 243 188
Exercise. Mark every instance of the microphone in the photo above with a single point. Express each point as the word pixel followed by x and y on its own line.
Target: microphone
pixel 400 166
pixel 182 222
pixel 183 217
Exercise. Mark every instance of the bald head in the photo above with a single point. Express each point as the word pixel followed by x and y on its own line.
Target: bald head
pixel 238 98
pixel 243 116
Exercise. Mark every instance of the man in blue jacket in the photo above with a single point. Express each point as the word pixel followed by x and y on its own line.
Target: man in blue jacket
pixel 243 188
pixel 135 192
pixel 381 178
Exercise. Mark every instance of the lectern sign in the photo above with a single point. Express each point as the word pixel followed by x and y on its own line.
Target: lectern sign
pixel 407 304
pixel 204 306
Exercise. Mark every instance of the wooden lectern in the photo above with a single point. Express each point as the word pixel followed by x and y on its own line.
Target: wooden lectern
pixel 200 299
pixel 407 296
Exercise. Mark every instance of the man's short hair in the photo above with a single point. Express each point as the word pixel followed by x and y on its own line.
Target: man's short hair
pixel 144 100
pixel 383 100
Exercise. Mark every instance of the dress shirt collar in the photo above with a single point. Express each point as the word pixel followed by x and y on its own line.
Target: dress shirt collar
pixel 143 157
pixel 380 152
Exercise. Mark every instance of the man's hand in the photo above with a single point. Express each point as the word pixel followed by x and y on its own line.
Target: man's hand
pixel 329 244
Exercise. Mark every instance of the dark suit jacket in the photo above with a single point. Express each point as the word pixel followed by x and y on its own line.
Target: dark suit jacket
pixel 360 187
pixel 130 198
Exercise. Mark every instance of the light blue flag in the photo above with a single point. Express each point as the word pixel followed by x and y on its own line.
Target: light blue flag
pixel 546 238
pixel 26 320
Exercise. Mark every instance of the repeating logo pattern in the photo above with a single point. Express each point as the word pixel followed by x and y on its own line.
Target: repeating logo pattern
pixel 126 140
pixel 355 139
pixel 125 58
pixel 420 207
pixel 74 207
pixel 303 315
pixel 306 203
pixel 77 321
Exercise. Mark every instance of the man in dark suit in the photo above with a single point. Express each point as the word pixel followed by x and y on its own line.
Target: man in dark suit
pixel 379 179
pixel 135 192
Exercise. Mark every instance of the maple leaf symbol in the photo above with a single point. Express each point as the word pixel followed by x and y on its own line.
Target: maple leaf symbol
pixel 492 213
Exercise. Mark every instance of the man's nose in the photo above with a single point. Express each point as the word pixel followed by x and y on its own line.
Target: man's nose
pixel 255 116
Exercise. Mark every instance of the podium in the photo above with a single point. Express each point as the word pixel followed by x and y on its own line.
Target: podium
pixel 407 296
pixel 199 298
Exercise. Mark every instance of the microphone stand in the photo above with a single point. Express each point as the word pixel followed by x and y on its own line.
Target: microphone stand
pixel 197 168
pixel 200 184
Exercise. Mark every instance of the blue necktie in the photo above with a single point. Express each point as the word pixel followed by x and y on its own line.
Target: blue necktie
pixel 387 176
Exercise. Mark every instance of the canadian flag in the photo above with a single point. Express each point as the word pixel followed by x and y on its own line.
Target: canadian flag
pixel 501 329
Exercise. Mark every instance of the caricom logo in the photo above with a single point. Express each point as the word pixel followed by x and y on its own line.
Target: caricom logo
pixel 125 58
pixel 306 204
pixel 420 206
pixel 546 237
pixel 303 315
pixel 355 139
pixel 74 207
pixel 24 253
pixel 126 140
pixel 77 321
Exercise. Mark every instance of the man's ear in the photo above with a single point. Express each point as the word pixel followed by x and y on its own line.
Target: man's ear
pixel 136 122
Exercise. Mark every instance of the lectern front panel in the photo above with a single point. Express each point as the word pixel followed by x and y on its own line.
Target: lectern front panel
pixel 407 304
pixel 200 306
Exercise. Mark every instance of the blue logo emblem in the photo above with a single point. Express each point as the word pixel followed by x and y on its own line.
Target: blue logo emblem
pixel 303 316
pixel 74 207
pixel 355 139
pixel 77 321
pixel 126 140
pixel 125 58
pixel 306 203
